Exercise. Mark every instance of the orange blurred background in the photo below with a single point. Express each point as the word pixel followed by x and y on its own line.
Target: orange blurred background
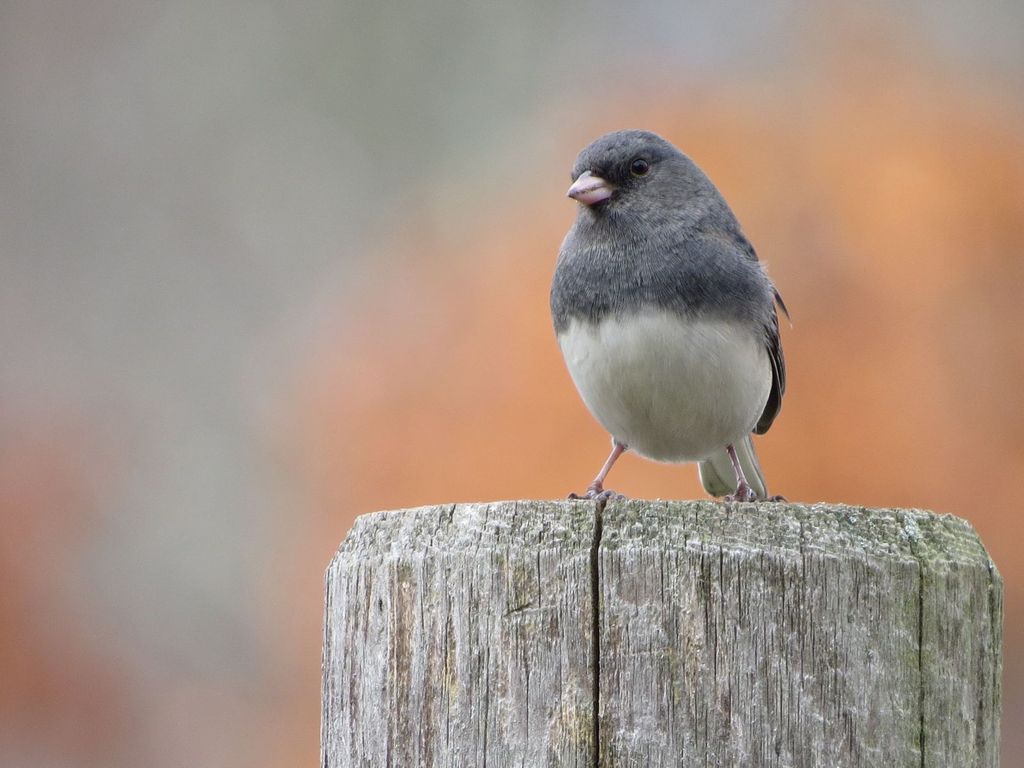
pixel 291 314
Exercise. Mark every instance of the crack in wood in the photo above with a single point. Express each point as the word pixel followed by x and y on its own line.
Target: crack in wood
pixel 595 629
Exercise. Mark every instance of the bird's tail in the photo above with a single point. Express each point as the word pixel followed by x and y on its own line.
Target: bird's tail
pixel 719 479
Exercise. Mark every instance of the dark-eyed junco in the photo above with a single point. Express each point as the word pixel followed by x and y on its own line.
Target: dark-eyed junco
pixel 665 317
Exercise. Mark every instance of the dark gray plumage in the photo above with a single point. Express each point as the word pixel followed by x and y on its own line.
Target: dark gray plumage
pixel 654 237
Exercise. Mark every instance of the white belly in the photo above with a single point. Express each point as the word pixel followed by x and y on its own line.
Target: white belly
pixel 672 390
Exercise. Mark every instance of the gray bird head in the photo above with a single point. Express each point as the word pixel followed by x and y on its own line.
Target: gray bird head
pixel 638 174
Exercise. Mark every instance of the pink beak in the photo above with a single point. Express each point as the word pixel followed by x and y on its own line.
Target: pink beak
pixel 589 189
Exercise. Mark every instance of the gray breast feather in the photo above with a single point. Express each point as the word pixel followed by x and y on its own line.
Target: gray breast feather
pixel 701 275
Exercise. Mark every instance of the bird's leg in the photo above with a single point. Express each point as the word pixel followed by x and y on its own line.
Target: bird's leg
pixel 596 489
pixel 743 491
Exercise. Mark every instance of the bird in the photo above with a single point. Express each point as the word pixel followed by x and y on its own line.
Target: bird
pixel 666 319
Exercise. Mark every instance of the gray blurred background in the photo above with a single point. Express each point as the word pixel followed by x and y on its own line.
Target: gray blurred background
pixel 195 196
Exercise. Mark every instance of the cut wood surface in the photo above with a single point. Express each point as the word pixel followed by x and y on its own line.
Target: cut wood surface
pixel 649 633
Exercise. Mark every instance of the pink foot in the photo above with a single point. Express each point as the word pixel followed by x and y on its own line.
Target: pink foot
pixel 743 493
pixel 597 491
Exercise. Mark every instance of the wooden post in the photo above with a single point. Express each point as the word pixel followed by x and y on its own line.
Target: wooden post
pixel 648 633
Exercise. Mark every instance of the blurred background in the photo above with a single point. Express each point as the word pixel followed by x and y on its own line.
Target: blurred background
pixel 267 266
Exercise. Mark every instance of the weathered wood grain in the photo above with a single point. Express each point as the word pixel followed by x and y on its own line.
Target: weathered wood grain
pixel 781 635
pixel 461 636
pixel 720 635
pixel 961 643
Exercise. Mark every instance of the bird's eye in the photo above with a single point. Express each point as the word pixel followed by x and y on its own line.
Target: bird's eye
pixel 639 167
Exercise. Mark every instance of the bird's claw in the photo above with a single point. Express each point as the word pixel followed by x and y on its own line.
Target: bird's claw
pixel 597 493
pixel 743 493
